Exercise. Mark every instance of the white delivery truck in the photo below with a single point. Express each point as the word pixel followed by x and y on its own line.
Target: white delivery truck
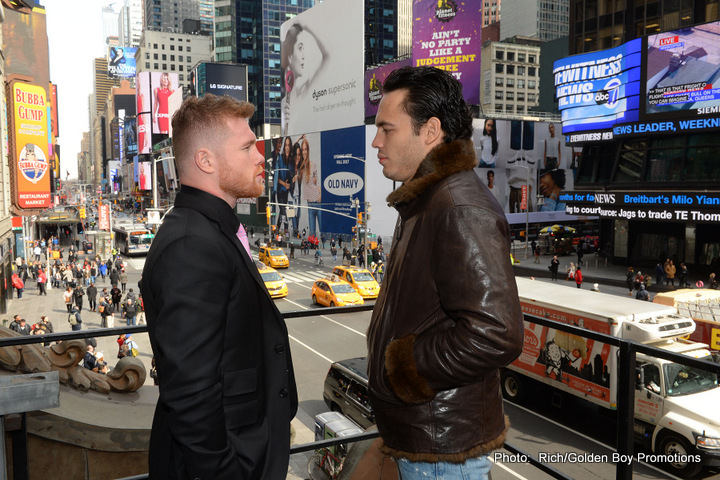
pixel 676 407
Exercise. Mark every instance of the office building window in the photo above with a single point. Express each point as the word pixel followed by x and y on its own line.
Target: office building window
pixel 499 68
pixel 499 54
pixel 499 94
pixel 510 69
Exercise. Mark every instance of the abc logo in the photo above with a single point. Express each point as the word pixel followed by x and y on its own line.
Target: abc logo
pixel 601 97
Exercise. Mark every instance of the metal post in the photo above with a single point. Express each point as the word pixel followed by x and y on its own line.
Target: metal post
pixel 626 408
pixel 154 185
pixel 527 209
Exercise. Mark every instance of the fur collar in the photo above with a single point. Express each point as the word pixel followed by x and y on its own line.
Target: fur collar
pixel 442 161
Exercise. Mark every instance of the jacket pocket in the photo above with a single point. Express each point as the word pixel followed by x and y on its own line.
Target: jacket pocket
pixel 240 399
pixel 240 382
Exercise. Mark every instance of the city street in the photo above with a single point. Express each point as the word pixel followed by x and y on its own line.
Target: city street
pixel 538 426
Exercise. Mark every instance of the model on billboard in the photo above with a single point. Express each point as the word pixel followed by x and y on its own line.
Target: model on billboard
pixel 161 109
pixel 312 189
pixel 282 176
pixel 305 56
pixel 117 56
pixel 522 140
pixel 495 189
pixel 551 184
pixel 488 144
pixel 33 163
pixel 296 171
pixel 551 154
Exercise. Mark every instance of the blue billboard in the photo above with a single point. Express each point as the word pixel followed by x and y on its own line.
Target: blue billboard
pixel 343 173
pixel 121 62
pixel 600 89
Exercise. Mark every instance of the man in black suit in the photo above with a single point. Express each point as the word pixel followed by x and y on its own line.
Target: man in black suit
pixel 227 388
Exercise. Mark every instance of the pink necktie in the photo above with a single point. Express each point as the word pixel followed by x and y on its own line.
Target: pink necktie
pixel 242 236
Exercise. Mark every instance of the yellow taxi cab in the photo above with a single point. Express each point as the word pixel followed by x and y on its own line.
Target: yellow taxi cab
pixel 273 257
pixel 332 291
pixel 362 280
pixel 273 281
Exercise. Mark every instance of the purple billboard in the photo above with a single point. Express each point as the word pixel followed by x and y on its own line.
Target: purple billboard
pixel 374 80
pixel 447 35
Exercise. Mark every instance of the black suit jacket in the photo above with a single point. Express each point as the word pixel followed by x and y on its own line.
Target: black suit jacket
pixel 227 388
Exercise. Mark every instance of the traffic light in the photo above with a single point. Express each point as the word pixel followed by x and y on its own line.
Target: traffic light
pixel 267 214
pixel 361 218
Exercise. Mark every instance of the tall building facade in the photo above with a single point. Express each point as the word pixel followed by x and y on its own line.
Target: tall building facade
pixel 163 15
pixel 542 19
pixel 601 24
pixel 491 12
pixel 130 23
pixel 248 32
pixel 510 78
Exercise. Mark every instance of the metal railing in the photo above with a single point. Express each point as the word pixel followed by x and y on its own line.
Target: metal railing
pixel 626 373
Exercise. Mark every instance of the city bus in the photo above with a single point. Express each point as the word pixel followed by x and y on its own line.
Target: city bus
pixel 132 239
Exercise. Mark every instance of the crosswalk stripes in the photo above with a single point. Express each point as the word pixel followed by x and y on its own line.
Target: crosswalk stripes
pixel 135 263
pixel 297 277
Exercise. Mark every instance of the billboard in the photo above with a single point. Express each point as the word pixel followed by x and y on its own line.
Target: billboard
pixel 166 99
pixel 55 126
pixel 221 79
pixel 130 137
pixel 527 166
pixel 31 155
pixel 683 70
pixel 312 178
pixel 114 175
pixel 121 62
pixel 145 175
pixel 597 90
pixel 374 80
pixel 447 35
pixel 322 68
pixel 143 123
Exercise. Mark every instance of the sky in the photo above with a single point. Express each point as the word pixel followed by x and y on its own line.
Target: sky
pixel 74 29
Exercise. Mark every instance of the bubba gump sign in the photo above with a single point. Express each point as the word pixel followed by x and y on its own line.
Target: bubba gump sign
pixel 30 130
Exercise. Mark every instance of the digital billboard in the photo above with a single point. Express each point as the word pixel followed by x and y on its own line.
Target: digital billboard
pixel 683 70
pixel 121 62
pixel 447 35
pixel 374 80
pixel 31 156
pixel 145 175
pixel 322 68
pixel 130 137
pixel 221 79
pixel 166 99
pixel 143 123
pixel 597 90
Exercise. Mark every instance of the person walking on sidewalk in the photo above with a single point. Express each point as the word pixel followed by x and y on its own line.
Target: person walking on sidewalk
pixel 123 279
pixel 578 277
pixel 92 296
pixel 42 282
pixel 68 298
pixel 554 267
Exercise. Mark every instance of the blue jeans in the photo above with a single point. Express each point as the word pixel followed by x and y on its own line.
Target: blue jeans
pixel 313 215
pixel 472 469
pixel 131 321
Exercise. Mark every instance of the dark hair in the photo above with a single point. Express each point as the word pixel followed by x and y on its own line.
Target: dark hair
pixel 558 177
pixel 289 43
pixel 490 172
pixel 432 92
pixel 493 135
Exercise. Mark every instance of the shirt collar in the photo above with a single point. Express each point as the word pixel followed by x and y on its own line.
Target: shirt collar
pixel 215 208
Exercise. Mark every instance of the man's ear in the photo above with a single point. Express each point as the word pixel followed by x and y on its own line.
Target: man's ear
pixel 204 160
pixel 433 131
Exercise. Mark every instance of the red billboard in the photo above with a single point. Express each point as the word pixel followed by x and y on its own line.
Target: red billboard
pixel 31 170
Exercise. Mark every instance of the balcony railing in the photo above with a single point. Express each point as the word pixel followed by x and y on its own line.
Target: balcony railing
pixel 626 381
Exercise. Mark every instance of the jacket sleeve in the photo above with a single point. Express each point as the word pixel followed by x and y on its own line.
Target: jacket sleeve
pixel 470 264
pixel 191 282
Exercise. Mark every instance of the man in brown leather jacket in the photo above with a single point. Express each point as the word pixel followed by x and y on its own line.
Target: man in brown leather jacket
pixel 448 316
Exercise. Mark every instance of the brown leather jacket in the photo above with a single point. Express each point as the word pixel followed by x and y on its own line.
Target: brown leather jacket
pixel 448 316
